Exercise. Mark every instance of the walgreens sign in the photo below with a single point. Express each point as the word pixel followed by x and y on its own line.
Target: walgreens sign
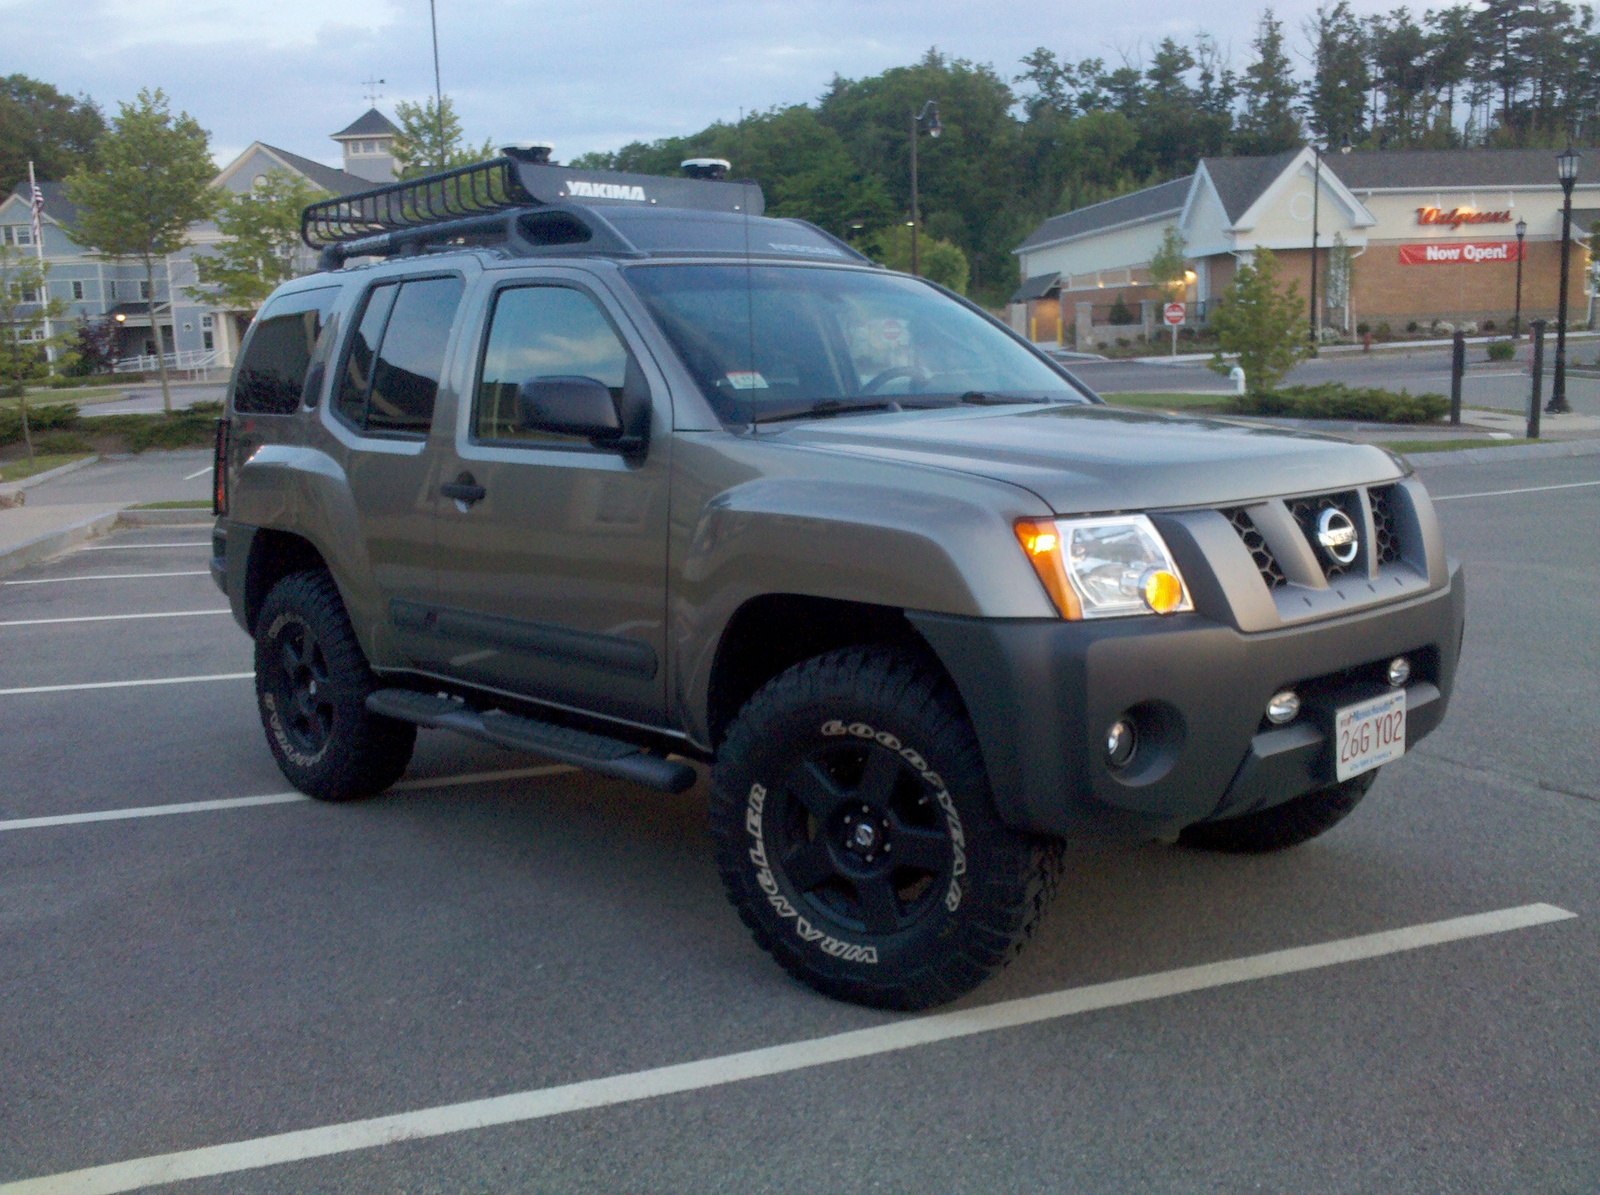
pixel 1460 253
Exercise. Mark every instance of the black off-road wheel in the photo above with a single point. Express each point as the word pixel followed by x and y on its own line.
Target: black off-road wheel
pixel 1282 826
pixel 312 682
pixel 856 836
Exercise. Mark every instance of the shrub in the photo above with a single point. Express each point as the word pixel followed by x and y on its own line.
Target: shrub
pixel 51 443
pixel 1382 331
pixel 1502 350
pixel 1121 313
pixel 1412 326
pixel 97 379
pixel 1261 324
pixel 55 417
pixel 1334 400
pixel 1488 325
pixel 1363 328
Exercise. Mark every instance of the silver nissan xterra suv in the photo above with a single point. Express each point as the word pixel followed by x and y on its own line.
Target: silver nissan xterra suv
pixel 616 470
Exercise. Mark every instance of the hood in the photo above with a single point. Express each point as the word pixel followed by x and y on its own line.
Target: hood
pixel 1082 459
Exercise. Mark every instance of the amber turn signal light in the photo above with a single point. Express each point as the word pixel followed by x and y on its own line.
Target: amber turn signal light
pixel 1161 590
pixel 1042 543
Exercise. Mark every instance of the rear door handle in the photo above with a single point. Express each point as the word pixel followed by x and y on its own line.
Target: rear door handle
pixel 464 489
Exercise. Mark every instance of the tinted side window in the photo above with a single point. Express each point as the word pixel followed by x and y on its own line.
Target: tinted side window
pixel 538 332
pixel 273 369
pixel 406 380
pixel 351 401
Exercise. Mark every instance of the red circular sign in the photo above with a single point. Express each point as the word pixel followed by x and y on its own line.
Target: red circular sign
pixel 1174 313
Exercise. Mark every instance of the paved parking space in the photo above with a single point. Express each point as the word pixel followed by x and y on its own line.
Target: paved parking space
pixel 174 983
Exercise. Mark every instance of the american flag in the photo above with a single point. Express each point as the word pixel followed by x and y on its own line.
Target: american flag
pixel 37 205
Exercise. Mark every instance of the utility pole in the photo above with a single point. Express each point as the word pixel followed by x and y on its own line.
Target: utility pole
pixel 930 115
pixel 438 90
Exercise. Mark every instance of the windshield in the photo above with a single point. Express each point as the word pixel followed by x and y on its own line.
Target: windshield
pixel 767 341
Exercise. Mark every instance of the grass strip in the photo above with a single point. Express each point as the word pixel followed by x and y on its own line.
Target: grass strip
pixel 43 463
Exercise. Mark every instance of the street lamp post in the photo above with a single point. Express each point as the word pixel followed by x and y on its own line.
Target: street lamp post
pixel 928 116
pixel 1316 197
pixel 1567 172
pixel 1516 320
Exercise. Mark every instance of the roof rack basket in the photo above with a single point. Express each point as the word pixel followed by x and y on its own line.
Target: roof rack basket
pixel 481 189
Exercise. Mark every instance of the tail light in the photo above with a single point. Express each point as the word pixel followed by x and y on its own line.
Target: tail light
pixel 219 471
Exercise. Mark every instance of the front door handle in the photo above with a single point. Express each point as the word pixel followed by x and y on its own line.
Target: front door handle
pixel 464 489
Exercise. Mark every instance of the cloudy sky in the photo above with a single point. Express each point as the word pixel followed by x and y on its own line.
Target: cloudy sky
pixel 590 74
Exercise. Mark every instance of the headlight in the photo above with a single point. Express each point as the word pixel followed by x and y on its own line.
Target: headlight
pixel 1104 568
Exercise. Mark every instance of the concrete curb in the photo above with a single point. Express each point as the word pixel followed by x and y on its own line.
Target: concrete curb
pixel 52 474
pixel 1517 452
pixel 192 516
pixel 41 547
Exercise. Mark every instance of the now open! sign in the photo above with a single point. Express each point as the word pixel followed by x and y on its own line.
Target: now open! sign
pixel 1460 253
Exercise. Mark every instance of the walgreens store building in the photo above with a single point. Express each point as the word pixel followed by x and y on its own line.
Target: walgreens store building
pixel 1430 236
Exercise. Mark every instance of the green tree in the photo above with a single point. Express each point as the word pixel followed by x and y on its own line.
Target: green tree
pixel 261 231
pixel 26 309
pixel 1168 269
pixel 1336 98
pixel 1263 325
pixel 152 182
pixel 55 132
pixel 431 140
pixel 1270 123
pixel 939 261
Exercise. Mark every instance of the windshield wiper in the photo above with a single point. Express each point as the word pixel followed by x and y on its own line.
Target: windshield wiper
pixel 831 406
pixel 987 398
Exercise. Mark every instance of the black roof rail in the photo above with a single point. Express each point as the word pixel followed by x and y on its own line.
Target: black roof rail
pixel 467 201
pixel 477 190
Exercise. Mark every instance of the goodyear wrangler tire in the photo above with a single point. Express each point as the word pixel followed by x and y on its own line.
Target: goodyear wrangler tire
pixel 856 836
pixel 1282 826
pixel 312 682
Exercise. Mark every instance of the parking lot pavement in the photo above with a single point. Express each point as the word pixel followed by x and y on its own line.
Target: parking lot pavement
pixel 183 475
pixel 145 399
pixel 170 984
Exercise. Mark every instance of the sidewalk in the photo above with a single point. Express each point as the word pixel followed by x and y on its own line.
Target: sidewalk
pixel 29 534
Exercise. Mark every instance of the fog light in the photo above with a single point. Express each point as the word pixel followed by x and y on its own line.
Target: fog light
pixel 1161 590
pixel 1284 707
pixel 1121 742
pixel 1399 671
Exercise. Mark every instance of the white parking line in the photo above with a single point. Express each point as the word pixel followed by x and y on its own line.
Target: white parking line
pixel 259 1152
pixel 193 543
pixel 127 684
pixel 199 473
pixel 40 622
pixel 140 811
pixel 199 572
pixel 1532 489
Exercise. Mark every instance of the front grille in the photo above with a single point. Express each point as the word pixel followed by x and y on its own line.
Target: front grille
pixel 1383 524
pixel 1271 573
pixel 1306 511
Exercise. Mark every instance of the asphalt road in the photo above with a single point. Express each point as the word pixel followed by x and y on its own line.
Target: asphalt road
pixel 170 983
pixel 1504 386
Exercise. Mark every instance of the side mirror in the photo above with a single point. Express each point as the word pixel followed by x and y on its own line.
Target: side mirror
pixel 576 406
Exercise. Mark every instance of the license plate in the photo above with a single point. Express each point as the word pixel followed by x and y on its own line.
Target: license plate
pixel 1369 734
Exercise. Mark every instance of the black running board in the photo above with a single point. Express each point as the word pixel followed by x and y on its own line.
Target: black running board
pixel 592 752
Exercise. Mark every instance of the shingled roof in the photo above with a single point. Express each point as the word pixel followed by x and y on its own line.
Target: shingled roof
pixel 1241 181
pixel 1164 200
pixel 338 182
pixel 56 204
pixel 1384 169
pixel 372 123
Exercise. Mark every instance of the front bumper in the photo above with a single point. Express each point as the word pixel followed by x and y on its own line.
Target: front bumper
pixel 1042 694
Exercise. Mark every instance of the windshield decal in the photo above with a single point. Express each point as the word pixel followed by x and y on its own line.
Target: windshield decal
pixel 746 379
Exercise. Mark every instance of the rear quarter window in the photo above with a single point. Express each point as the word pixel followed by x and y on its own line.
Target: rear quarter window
pixel 272 371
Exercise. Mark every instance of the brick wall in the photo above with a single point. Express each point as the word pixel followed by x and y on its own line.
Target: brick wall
pixel 1385 291
pixel 1388 291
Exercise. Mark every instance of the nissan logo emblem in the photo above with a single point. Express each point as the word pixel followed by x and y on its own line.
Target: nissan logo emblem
pixel 1337 535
